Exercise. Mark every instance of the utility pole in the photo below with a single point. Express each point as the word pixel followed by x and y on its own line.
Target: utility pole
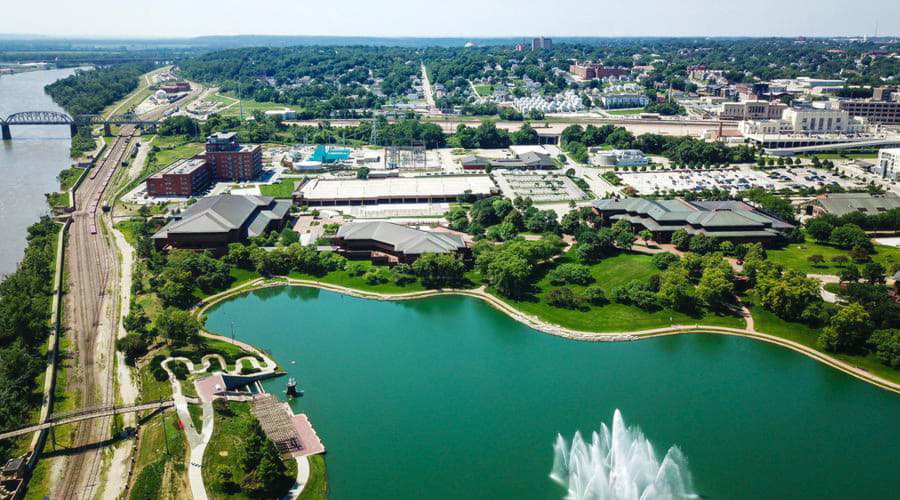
pixel 240 102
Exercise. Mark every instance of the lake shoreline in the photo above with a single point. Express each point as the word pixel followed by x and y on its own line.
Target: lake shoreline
pixel 542 326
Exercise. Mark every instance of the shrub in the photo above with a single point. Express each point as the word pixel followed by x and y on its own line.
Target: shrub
pixel 179 369
pixel 563 297
pixel 356 268
pixel 575 274
pixel 595 295
pixel 663 260
pixel 132 346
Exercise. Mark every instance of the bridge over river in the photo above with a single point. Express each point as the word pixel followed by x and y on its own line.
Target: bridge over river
pixel 58 118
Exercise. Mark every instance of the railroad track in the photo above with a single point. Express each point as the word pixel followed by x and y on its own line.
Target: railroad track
pixel 93 270
pixel 92 265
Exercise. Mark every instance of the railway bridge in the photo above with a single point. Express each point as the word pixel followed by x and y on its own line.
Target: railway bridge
pixel 58 118
pixel 81 414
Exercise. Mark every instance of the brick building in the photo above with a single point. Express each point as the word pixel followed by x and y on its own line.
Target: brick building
pixel 883 107
pixel 229 160
pixel 185 177
pixel 589 71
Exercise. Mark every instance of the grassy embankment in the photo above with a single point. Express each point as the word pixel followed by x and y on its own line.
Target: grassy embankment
pixel 610 273
pixel 795 257
pixel 224 453
pixel 136 96
pixel 767 322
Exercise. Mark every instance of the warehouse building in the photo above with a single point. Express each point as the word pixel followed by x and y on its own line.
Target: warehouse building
pixel 734 221
pixel 526 161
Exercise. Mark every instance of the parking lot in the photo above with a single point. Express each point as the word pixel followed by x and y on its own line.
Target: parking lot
pixel 732 179
pixel 541 187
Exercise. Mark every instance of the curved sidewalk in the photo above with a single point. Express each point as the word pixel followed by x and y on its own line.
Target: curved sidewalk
pixel 557 330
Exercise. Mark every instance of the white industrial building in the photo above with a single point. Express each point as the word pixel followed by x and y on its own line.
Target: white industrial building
pixel 621 158
pixel 615 101
pixel 805 121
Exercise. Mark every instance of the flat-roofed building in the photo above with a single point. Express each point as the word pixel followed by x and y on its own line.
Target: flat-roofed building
pixel 734 221
pixel 889 164
pixel 875 111
pixel 215 221
pixel 229 160
pixel 846 203
pixel 389 243
pixel 616 101
pixel 751 110
pixel 529 160
pixel 185 177
pixel 393 190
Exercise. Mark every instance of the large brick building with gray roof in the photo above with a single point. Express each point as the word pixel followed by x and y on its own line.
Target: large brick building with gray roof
pixel 727 220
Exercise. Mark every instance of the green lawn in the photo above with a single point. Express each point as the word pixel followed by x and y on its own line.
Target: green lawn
pixel 161 466
pixel 174 148
pixel 794 257
pixel 767 322
pixel 612 317
pixel 342 278
pixel 283 189
pixel 317 487
pixel 484 90
pixel 223 452
pixel 249 105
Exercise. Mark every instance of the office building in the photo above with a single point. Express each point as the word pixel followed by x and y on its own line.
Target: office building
pixel 751 110
pixel 185 177
pixel 734 221
pixel 542 43
pixel 390 243
pixel 215 221
pixel 229 160
pixel 888 165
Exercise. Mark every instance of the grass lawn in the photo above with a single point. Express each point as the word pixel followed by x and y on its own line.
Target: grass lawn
pixel 282 190
pixel 224 450
pixel 58 199
pixel 317 487
pixel 196 412
pixel 767 322
pixel 794 257
pixel 625 112
pixel 174 148
pixel 249 105
pixel 612 317
pixel 161 467
pixel 484 90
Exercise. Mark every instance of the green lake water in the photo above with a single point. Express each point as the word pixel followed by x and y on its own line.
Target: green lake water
pixel 448 398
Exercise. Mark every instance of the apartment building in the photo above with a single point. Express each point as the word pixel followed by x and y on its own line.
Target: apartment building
pixel 229 160
pixel 185 177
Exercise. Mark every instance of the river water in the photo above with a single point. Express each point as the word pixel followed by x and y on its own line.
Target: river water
pixel 30 162
pixel 449 398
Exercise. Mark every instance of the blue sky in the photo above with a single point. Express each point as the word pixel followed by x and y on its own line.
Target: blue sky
pixel 462 18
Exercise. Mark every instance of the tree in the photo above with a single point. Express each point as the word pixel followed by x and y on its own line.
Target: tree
pixel 177 327
pixel 819 229
pixel 510 275
pixel 681 239
pixel 849 274
pixel 575 274
pixel 595 295
pixel 715 288
pixel 288 237
pixel 675 290
pixel 873 272
pixel 815 260
pixel 562 297
pixel 787 294
pixel 848 330
pixel 645 235
pixel 623 234
pixel 886 344
pixel 594 245
pixel 132 346
pixel 439 270
pixel 362 173
pixel 664 260
pixel 702 244
pixel 840 260
pixel 850 236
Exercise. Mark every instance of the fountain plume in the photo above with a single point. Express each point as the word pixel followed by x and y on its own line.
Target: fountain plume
pixel 619 464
